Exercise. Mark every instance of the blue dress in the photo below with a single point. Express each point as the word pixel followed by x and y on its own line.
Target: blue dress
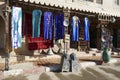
pixel 59 26
pixel 36 19
pixel 48 25
pixel 75 28
pixel 86 29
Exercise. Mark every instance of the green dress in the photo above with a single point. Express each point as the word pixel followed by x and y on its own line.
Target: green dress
pixel 106 55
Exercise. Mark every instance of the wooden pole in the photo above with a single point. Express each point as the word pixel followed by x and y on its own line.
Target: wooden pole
pixel 7 11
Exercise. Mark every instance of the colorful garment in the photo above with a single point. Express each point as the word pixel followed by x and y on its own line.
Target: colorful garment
pixel 59 26
pixel 36 19
pixel 86 29
pixel 16 27
pixel 75 28
pixel 48 25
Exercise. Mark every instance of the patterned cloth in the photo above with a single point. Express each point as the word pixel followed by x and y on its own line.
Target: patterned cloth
pixel 75 28
pixel 86 29
pixel 16 29
pixel 48 25
pixel 59 26
pixel 36 19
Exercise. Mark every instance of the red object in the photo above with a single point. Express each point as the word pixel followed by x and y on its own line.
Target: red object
pixel 36 43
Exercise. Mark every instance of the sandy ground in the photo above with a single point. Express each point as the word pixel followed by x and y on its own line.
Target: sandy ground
pixel 33 72
pixel 99 72
pixel 106 72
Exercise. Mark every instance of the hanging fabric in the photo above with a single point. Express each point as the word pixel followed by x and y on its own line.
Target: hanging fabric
pixel 75 28
pixel 39 42
pixel 86 29
pixel 36 19
pixel 48 25
pixel 59 26
pixel 16 29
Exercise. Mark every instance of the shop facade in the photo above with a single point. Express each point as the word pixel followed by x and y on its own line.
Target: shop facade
pixel 98 18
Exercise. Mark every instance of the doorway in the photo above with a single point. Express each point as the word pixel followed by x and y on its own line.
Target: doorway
pixel 93 37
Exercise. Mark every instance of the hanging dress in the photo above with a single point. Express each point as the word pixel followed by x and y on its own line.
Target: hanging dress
pixel 16 27
pixel 36 19
pixel 48 25
pixel 86 29
pixel 59 26
pixel 75 28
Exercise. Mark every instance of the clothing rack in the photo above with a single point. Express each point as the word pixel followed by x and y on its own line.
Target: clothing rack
pixel 54 8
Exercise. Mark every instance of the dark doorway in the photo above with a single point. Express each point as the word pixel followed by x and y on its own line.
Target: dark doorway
pixel 115 38
pixel 93 37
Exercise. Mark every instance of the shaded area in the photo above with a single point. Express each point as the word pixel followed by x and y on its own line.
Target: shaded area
pixel 45 77
pixel 86 76
pixel 100 76
pixel 102 72
pixel 19 77
pixel 61 76
pixel 111 71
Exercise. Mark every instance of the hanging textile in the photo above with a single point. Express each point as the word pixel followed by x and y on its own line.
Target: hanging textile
pixel 75 28
pixel 16 29
pixel 59 26
pixel 86 29
pixel 38 42
pixel 48 25
pixel 36 19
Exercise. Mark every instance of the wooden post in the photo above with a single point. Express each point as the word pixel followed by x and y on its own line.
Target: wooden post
pixel 7 11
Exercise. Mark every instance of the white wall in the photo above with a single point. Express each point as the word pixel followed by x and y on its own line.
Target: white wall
pixel 106 3
pixel 110 4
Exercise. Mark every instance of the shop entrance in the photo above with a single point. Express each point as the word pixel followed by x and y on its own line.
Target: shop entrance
pixel 93 37
pixel 116 38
